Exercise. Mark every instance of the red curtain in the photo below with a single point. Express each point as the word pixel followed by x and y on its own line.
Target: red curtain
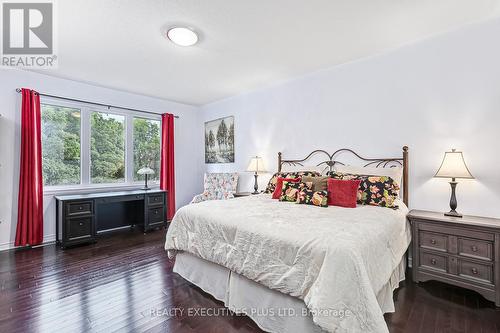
pixel 167 172
pixel 30 201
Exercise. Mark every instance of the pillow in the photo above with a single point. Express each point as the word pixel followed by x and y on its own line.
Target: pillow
pixel 310 197
pixel 285 167
pixel 290 190
pixel 373 190
pixel 343 193
pixel 395 172
pixel 279 185
pixel 318 183
pixel 271 185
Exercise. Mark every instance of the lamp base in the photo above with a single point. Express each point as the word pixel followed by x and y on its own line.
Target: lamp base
pixel 453 200
pixel 256 185
pixel 453 213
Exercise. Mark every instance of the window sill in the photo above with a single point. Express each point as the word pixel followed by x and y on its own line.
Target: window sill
pixel 95 188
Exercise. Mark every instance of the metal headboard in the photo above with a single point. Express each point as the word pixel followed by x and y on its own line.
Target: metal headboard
pixel 376 162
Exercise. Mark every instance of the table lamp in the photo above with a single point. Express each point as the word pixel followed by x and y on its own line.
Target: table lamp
pixel 256 165
pixel 146 171
pixel 453 166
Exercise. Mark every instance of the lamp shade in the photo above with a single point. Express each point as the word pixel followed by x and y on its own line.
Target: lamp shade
pixel 453 166
pixel 256 165
pixel 146 171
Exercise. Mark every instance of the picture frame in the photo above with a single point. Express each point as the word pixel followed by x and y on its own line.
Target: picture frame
pixel 219 140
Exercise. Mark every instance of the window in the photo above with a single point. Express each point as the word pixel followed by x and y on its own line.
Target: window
pixel 60 145
pixel 107 148
pixel 147 147
pixel 87 146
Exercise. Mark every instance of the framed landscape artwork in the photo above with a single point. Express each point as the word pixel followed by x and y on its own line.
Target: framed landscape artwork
pixel 219 140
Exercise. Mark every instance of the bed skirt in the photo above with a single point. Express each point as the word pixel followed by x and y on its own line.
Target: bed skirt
pixel 271 310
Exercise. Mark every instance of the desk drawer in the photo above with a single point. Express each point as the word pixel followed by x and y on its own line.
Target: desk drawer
pixel 79 208
pixel 156 199
pixel 79 228
pixel 475 271
pixel 120 198
pixel 156 215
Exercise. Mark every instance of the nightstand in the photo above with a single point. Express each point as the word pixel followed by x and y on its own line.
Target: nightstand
pixel 461 251
pixel 241 194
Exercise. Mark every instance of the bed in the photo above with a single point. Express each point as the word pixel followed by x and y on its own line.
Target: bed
pixel 296 268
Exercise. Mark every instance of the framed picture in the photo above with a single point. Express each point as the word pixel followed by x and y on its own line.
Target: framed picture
pixel 219 140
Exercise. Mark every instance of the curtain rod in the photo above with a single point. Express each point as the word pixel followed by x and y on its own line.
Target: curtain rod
pixel 95 103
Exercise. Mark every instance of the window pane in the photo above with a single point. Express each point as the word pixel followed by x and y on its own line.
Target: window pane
pixel 146 147
pixel 107 148
pixel 60 145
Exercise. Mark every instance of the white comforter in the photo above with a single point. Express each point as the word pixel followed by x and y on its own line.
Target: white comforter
pixel 335 259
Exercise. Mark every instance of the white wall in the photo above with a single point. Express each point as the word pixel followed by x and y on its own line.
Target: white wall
pixel 188 129
pixel 438 94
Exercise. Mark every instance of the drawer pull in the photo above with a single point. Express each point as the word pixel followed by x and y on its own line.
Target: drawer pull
pixel 433 241
pixel 474 248
pixel 474 271
pixel 80 207
pixel 156 211
pixel 433 261
pixel 80 224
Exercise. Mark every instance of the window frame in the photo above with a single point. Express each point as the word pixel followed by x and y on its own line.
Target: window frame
pixel 85 133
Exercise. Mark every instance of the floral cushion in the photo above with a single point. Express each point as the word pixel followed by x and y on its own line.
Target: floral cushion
pixel 271 185
pixel 217 186
pixel 290 190
pixel 279 186
pixel 309 197
pixel 373 190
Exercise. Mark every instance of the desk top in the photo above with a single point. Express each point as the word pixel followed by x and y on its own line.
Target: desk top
pixel 98 195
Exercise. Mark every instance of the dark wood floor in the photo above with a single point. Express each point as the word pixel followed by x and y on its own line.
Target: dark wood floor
pixel 125 283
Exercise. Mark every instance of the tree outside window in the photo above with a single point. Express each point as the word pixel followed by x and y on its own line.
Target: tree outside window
pixel 146 147
pixel 60 145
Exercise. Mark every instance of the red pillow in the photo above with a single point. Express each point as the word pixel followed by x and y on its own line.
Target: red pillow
pixel 343 193
pixel 279 185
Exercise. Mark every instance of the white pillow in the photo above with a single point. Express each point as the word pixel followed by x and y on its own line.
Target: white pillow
pixel 395 172
pixel 296 168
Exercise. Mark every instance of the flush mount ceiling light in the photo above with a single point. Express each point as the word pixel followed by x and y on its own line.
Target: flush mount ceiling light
pixel 182 36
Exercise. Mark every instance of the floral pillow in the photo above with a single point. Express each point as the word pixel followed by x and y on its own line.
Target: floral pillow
pixel 271 185
pixel 373 190
pixel 309 197
pixel 290 190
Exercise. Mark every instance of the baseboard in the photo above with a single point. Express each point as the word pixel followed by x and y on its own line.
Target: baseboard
pixel 47 240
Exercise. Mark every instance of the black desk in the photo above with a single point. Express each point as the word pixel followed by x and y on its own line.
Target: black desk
pixel 80 218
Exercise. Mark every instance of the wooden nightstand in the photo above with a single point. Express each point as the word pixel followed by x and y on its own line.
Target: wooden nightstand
pixel 461 251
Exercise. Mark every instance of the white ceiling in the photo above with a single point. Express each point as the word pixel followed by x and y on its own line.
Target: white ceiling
pixel 245 44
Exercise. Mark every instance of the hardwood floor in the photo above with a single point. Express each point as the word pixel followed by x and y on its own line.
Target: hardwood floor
pixel 125 282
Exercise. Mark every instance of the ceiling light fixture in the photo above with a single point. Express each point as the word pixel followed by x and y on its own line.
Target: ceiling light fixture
pixel 182 36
